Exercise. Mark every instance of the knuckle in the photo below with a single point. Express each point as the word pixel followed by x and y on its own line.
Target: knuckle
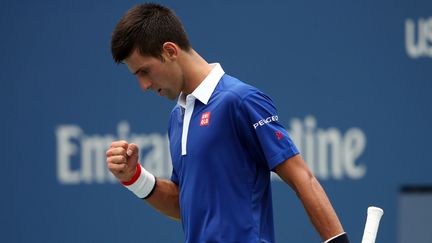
pixel 118 159
pixel 119 143
pixel 115 159
pixel 108 153
pixel 116 151
pixel 123 143
pixel 122 151
pixel 111 167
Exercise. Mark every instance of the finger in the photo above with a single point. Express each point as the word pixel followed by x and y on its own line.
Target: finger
pixel 117 168
pixel 116 151
pixel 121 143
pixel 117 159
pixel 133 153
pixel 132 150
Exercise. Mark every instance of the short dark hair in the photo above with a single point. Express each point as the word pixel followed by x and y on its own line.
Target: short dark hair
pixel 147 27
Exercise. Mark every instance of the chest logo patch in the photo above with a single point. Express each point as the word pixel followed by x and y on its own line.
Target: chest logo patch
pixel 205 119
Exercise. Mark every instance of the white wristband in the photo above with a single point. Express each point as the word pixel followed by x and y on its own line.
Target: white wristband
pixel 144 184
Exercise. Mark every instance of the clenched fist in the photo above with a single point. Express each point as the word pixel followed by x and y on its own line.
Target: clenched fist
pixel 122 159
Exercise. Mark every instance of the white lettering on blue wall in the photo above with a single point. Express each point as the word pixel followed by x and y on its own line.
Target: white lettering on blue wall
pixel 81 157
pixel 330 153
pixel 418 37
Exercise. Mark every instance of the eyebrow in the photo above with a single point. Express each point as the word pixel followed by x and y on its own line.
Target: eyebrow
pixel 145 67
pixel 136 72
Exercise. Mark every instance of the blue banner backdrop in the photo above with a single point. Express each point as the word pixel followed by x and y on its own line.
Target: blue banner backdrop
pixel 351 80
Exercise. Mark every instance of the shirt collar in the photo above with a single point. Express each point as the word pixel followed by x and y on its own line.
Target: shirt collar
pixel 204 91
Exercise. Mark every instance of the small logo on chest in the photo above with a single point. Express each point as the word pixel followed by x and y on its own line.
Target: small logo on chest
pixel 205 119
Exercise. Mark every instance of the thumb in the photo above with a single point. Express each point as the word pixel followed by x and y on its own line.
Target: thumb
pixel 133 153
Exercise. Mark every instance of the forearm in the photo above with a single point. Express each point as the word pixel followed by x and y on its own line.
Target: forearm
pixel 165 198
pixel 319 208
pixel 163 195
pixel 296 173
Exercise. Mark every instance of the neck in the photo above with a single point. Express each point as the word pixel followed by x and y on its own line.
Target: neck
pixel 195 70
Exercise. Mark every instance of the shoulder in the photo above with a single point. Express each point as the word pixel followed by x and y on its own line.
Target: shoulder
pixel 232 88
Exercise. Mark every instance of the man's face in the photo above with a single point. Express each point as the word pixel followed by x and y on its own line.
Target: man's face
pixel 163 77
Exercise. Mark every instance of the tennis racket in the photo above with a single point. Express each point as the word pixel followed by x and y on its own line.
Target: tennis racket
pixel 373 218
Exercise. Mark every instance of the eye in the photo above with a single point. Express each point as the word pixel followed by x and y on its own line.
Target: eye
pixel 142 72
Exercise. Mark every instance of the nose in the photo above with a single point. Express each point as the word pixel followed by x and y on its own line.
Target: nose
pixel 144 83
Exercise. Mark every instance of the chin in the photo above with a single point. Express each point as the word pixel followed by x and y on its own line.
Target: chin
pixel 171 97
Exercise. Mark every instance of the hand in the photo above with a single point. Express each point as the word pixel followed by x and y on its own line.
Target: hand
pixel 122 159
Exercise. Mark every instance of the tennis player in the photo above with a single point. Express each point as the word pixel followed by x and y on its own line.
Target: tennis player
pixel 225 139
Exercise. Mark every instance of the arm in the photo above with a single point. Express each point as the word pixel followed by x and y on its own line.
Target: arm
pixel 296 173
pixel 163 195
pixel 165 198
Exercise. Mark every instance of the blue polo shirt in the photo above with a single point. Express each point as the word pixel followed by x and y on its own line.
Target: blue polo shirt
pixel 222 160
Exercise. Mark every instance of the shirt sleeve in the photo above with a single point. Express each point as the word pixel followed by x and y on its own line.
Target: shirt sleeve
pixel 262 130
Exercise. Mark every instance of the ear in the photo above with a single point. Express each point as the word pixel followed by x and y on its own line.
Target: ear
pixel 170 50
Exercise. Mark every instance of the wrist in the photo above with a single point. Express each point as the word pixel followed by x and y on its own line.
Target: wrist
pixel 142 183
pixel 134 178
